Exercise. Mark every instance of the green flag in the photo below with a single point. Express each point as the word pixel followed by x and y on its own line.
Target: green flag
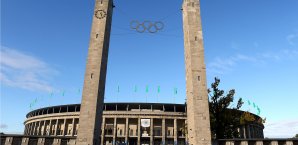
pixel 118 89
pixel 63 92
pixel 79 91
pixel 52 94
pixel 158 89
pixel 248 102
pixel 254 105
pixel 136 88
pixel 147 88
pixel 175 91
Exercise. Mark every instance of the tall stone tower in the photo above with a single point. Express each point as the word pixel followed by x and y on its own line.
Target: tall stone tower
pixel 198 120
pixel 95 75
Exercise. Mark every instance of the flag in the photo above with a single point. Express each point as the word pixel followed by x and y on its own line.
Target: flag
pixel 248 102
pixel 254 105
pixel 52 94
pixel 136 88
pixel 63 92
pixel 147 88
pixel 79 91
pixel 118 89
pixel 175 91
pixel 158 89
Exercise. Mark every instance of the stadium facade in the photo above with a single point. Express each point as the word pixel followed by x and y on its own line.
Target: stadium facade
pixel 131 123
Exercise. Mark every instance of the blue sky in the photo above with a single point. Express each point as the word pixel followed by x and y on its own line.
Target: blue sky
pixel 252 46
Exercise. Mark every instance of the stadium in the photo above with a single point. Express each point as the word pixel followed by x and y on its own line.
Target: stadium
pixel 131 123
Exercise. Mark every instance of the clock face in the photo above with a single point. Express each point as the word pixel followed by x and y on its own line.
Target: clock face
pixel 99 14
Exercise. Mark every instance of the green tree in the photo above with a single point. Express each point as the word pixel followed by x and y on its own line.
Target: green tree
pixel 223 117
pixel 296 136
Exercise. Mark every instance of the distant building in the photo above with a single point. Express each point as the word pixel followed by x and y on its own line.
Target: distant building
pixel 157 122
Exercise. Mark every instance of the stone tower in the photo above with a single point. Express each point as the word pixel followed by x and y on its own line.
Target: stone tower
pixel 95 75
pixel 198 120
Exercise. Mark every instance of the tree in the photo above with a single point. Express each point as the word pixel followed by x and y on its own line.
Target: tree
pixel 223 118
pixel 296 136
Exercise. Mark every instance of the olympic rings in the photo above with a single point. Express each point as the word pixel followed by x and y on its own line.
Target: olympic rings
pixel 151 27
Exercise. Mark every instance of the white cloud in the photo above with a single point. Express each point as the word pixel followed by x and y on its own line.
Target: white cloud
pixel 281 129
pixel 3 126
pixel 292 38
pixel 24 71
pixel 223 65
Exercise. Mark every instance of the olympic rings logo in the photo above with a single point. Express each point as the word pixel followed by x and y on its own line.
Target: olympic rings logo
pixel 149 26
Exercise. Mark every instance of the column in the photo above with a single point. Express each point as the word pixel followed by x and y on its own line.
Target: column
pixel 175 132
pixel 274 142
pixel 248 131
pixel 44 127
pixel 163 126
pixel 115 131
pixel 39 128
pixel 198 116
pixel 73 124
pixel 50 132
pixel 31 128
pixel 25 141
pixel 64 127
pixel 186 135
pixel 103 130
pixel 139 131
pixel 259 143
pixel 126 130
pixel 56 127
pixel 34 129
pixel 95 74
pixel 151 131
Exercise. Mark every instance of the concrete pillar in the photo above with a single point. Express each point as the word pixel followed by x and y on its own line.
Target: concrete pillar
pixel 274 142
pixel 103 130
pixel 248 131
pixel 39 128
pixel 244 142
pixel 25 141
pixel 50 132
pixel 44 127
pixel 186 135
pixel 57 141
pixel 64 127
pixel 95 74
pixel 115 131
pixel 126 130
pixel 229 143
pixel 289 142
pixel 175 132
pixel 40 141
pixel 56 127
pixel 198 117
pixel 259 143
pixel 34 128
pixel 163 126
pixel 71 142
pixel 139 131
pixel 73 124
pixel 8 140
pixel 151 131
pixel 29 129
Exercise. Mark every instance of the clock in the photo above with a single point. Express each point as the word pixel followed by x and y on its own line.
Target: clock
pixel 99 14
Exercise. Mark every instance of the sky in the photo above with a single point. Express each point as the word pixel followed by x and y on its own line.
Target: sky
pixel 251 45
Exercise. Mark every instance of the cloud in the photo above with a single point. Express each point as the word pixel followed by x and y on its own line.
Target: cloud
pixel 281 129
pixel 24 71
pixel 292 38
pixel 3 126
pixel 223 65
